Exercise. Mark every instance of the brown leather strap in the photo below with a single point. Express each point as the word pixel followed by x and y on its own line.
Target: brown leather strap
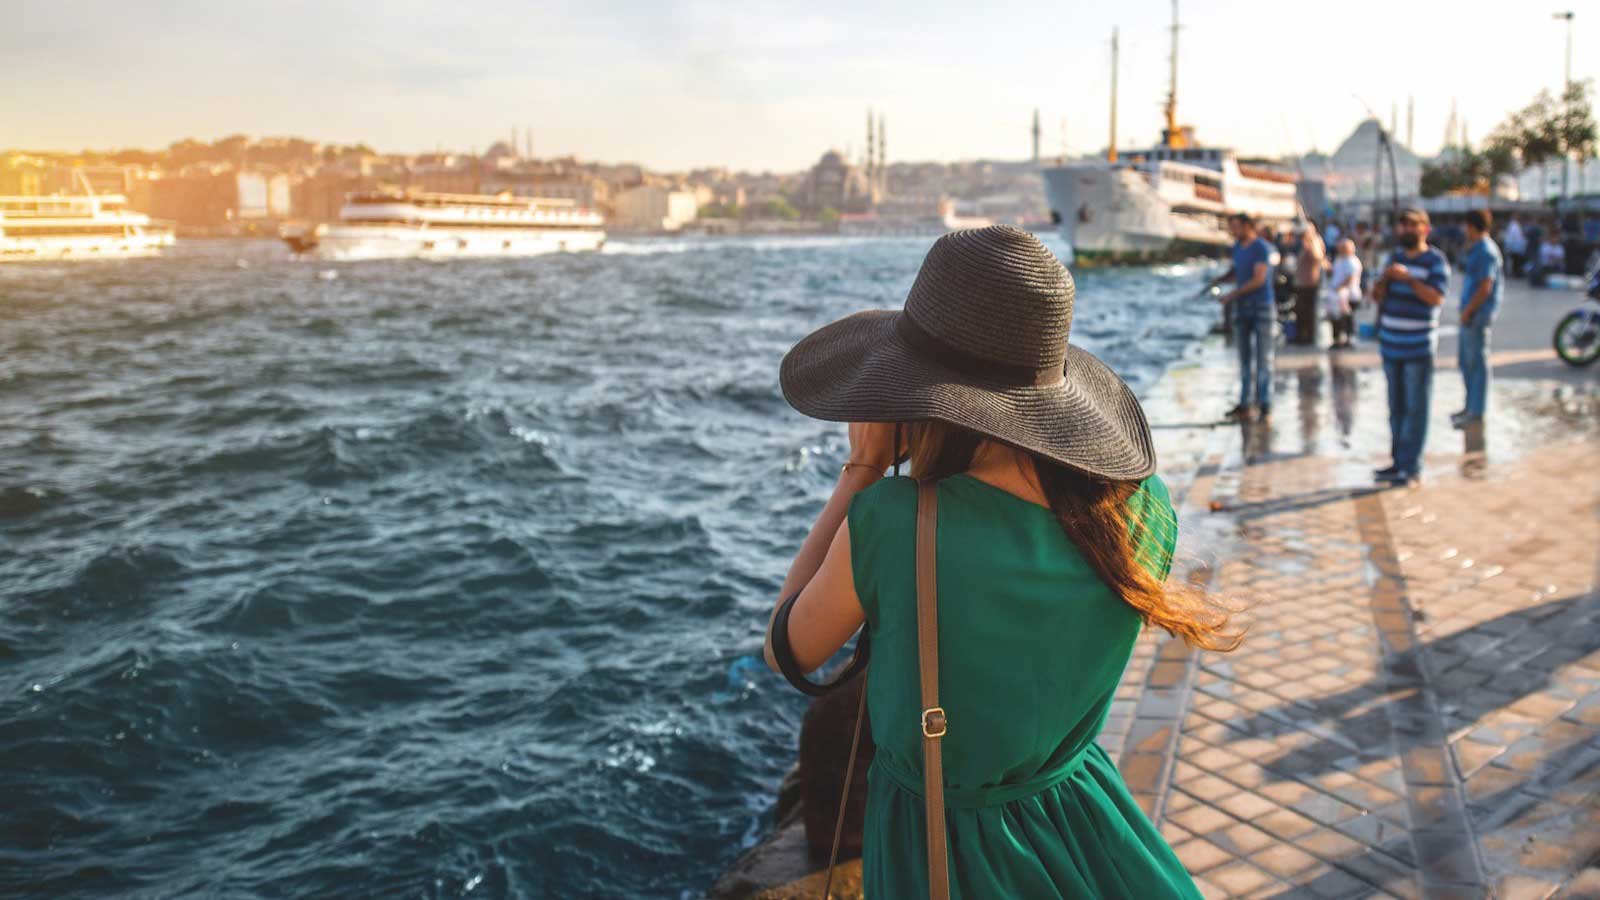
pixel 933 717
pixel 844 796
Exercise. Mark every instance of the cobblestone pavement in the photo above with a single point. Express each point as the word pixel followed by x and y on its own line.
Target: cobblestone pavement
pixel 1416 708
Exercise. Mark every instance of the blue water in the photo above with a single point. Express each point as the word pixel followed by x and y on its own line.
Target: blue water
pixel 419 579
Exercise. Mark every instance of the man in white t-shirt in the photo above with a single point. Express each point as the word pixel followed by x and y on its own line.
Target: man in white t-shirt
pixel 1344 293
pixel 1516 246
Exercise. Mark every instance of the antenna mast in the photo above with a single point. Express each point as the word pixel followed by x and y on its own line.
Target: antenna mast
pixel 1175 135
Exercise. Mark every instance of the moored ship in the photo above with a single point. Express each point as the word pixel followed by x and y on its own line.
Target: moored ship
pixel 1170 201
pixel 73 227
pixel 382 224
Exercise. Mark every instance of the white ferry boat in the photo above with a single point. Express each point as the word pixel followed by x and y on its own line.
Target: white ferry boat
pixel 1170 201
pixel 69 227
pixel 381 224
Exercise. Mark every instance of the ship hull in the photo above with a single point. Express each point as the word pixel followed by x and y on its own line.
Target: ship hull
pixel 57 249
pixel 1111 215
pixel 370 242
pixel 1107 214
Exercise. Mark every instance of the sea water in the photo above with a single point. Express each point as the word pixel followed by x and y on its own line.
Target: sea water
pixel 409 578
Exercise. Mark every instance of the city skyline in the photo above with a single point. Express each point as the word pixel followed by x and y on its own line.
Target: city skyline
pixel 763 87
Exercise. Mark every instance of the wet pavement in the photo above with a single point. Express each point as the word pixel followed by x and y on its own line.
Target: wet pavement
pixel 1416 708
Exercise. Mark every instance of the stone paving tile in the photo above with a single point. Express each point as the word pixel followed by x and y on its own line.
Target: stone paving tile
pixel 1416 708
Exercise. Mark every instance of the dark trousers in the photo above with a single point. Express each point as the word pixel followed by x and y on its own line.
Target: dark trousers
pixel 1305 314
pixel 1517 261
pixel 1344 328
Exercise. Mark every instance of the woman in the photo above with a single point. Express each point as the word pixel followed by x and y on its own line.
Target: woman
pixel 1345 294
pixel 1310 260
pixel 1054 540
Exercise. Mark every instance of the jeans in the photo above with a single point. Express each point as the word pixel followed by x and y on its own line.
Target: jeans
pixel 1410 390
pixel 1472 353
pixel 1252 334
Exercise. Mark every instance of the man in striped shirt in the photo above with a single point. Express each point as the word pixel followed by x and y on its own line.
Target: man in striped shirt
pixel 1409 292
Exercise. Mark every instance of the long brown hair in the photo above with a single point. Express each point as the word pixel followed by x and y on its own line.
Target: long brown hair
pixel 1096 517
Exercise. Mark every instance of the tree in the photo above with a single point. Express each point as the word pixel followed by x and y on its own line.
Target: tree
pixel 779 208
pixel 829 217
pixel 1577 130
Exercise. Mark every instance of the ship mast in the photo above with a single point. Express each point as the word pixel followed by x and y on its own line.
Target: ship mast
pixel 1175 136
pixel 1111 149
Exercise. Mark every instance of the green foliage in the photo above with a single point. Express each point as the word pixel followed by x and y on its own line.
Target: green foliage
pixel 721 211
pixel 1578 131
pixel 1546 129
pixel 779 208
pixel 829 216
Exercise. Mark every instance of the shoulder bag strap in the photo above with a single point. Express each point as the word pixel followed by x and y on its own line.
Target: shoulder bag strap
pixel 933 718
pixel 844 796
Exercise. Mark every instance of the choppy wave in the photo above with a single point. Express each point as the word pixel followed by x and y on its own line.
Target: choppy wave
pixel 423 579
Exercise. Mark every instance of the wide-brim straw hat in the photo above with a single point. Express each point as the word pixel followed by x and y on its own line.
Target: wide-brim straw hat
pixel 982 343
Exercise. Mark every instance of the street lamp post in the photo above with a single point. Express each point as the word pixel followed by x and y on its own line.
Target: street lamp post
pixel 1566 106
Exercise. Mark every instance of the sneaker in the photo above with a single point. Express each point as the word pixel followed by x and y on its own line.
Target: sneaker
pixel 1463 422
pixel 1266 412
pixel 1386 473
pixel 1405 479
pixel 1240 413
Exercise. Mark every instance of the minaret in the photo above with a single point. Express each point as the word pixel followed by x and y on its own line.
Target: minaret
pixel 872 159
pixel 883 157
pixel 1411 118
pixel 1036 136
pixel 1394 118
pixel 1111 148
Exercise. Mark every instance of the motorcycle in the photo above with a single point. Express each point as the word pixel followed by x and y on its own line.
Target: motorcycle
pixel 1577 336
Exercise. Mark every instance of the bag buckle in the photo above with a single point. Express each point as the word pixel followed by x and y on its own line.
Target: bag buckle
pixel 933 722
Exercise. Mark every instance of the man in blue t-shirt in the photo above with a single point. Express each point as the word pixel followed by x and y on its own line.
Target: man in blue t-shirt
pixel 1409 292
pixel 1254 316
pixel 1480 299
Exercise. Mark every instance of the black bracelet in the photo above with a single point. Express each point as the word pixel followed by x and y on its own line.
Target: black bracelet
pixel 784 654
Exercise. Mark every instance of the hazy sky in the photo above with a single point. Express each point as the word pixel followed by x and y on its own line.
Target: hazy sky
pixel 760 85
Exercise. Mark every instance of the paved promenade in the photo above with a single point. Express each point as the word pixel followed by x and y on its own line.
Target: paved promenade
pixel 1416 709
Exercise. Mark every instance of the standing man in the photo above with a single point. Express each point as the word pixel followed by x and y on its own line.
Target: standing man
pixel 1409 292
pixel 1254 316
pixel 1480 299
pixel 1516 246
pixel 1308 265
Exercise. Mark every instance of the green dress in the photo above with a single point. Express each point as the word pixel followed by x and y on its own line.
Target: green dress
pixel 1031 647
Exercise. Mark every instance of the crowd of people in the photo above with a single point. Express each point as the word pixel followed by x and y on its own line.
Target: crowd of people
pixel 1294 278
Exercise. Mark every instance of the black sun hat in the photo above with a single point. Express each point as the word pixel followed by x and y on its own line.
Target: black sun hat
pixel 981 343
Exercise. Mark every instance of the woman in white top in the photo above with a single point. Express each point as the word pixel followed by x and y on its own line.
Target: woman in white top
pixel 1345 293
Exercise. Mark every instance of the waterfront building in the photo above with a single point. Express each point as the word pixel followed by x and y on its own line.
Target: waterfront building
pixel 220 197
pixel 649 207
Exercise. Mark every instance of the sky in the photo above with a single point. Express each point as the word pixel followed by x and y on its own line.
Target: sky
pixel 754 85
